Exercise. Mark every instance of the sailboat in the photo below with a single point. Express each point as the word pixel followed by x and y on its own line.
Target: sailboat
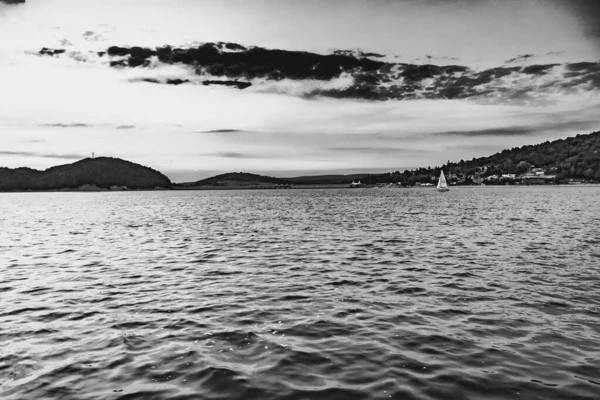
pixel 442 186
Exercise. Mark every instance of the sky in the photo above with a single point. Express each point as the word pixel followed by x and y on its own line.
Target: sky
pixel 56 110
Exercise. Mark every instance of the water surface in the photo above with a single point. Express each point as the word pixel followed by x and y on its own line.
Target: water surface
pixel 301 294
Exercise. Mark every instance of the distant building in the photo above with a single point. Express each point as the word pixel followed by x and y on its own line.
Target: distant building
pixel 535 178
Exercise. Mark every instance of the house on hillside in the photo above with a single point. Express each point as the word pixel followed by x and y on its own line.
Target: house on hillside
pixel 491 179
pixel 537 171
pixel 536 178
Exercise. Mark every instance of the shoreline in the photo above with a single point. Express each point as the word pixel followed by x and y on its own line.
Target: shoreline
pixel 217 188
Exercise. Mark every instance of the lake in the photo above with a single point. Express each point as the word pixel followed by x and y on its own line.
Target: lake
pixel 301 294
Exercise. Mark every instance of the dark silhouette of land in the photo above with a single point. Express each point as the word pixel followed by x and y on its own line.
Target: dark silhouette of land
pixel 236 180
pixel 86 174
pixel 326 179
pixel 561 161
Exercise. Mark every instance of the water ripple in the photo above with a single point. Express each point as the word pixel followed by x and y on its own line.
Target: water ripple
pixel 301 294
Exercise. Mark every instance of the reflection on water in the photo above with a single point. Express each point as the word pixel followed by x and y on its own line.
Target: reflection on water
pixel 301 294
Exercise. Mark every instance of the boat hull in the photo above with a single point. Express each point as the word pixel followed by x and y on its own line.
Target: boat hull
pixel 442 189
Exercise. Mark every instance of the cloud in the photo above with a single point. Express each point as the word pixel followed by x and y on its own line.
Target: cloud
pixel 510 131
pixel 43 155
pixel 234 154
pixel 531 130
pixel 75 125
pixel 478 147
pixel 521 57
pixel 343 75
pixel 375 150
pixel 223 131
pixel 584 66
pixel 538 69
pixel 31 141
pixel 91 36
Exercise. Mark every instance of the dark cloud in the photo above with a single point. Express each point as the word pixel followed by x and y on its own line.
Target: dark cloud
pixel 223 131
pixel 12 1
pixel 560 123
pixel 43 155
pixel 584 67
pixel 254 62
pixel 163 81
pixel 582 73
pixel 538 69
pixel 509 131
pixel 521 57
pixel 75 125
pixel 231 83
pixel 51 52
pixel 126 127
pixel 236 66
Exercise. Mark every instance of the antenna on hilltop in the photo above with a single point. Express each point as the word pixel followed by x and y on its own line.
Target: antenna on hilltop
pixel 92 154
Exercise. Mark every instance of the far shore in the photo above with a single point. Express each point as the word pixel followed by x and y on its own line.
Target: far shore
pixel 324 186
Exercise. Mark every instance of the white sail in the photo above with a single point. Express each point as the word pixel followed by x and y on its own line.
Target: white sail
pixel 442 182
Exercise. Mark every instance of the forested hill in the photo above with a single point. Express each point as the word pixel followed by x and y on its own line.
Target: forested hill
pixel 100 172
pixel 238 179
pixel 576 157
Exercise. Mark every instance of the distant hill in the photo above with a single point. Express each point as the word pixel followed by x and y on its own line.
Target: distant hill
pixel 101 172
pixel 573 157
pixel 237 179
pixel 576 157
pixel 325 179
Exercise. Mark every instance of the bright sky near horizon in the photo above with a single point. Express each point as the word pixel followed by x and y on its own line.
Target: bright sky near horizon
pixel 56 110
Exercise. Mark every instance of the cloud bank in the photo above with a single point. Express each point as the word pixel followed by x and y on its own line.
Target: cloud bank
pixel 346 74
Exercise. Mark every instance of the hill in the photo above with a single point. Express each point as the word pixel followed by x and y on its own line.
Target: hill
pixel 101 172
pixel 574 158
pixel 325 179
pixel 237 179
